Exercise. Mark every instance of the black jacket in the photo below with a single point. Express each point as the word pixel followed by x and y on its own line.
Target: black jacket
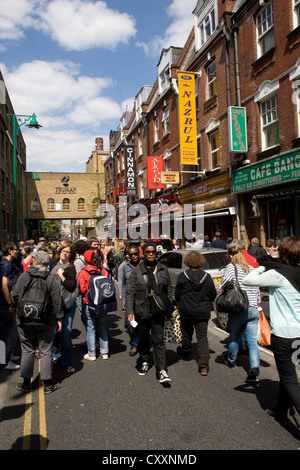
pixel 137 301
pixel 257 251
pixel 194 291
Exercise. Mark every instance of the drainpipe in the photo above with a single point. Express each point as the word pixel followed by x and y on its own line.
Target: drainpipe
pixel 235 30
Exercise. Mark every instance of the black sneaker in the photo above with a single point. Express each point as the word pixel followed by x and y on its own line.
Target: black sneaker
pixel 144 368
pixel 51 388
pixel 252 379
pixel 23 388
pixel 228 363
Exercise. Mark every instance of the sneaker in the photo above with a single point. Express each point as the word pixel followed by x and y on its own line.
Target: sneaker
pixel 104 356
pixel 163 377
pixel 15 358
pixel 89 358
pixel 228 363
pixel 11 366
pixel 252 378
pixel 144 368
pixel 23 388
pixel 51 388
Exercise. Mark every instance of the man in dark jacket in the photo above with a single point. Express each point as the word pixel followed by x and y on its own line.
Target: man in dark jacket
pixel 139 308
pixel 41 330
pixel 256 250
pixel 218 242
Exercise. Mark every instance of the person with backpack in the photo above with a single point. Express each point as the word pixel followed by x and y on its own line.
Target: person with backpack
pixel 92 308
pixel 37 300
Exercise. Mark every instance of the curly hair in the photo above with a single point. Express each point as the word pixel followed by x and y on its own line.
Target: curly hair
pixel 289 250
pixel 194 260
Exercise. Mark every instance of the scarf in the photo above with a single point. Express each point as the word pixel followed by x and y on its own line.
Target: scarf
pixel 291 273
pixel 150 266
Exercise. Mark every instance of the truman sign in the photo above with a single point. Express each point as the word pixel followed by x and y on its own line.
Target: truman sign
pixel 277 170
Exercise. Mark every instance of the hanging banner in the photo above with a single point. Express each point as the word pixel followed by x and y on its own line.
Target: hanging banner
pixel 122 189
pixel 130 170
pixel 237 129
pixel 187 118
pixel 155 166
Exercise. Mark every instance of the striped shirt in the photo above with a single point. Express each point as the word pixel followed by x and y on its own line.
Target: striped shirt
pixel 253 293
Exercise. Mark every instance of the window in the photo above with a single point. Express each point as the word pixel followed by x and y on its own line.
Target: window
pixel 66 205
pixel 214 149
pixel 269 119
pixel 207 27
pixel 156 129
pixel 166 121
pixel 164 79
pixel 296 13
pixel 50 204
pixel 212 80
pixel 95 204
pixel 265 30
pixel 81 204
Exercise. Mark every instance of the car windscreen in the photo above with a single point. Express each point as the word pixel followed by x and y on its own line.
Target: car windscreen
pixel 171 260
pixel 215 260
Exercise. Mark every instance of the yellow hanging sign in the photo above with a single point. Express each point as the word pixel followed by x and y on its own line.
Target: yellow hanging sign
pixel 187 118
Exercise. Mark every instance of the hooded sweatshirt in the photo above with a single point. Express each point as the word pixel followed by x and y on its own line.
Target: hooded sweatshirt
pixel 194 291
pixel 86 272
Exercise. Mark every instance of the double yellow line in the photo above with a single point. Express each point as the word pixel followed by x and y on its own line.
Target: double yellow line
pixel 28 419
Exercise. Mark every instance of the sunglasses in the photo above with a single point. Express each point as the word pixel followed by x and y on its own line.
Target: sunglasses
pixel 133 254
pixel 150 252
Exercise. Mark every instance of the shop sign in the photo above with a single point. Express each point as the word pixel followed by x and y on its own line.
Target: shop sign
pixel 237 129
pixel 274 171
pixel 122 189
pixel 170 177
pixel 187 118
pixel 155 166
pixel 130 170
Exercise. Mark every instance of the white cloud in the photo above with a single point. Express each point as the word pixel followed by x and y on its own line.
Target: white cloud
pixel 15 16
pixel 93 24
pixel 176 34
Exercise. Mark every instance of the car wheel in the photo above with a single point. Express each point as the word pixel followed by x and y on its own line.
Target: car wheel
pixel 222 320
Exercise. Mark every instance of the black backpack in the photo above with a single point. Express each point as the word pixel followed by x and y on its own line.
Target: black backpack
pixel 34 303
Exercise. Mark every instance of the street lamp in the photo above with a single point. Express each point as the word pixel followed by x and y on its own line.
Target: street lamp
pixel 19 120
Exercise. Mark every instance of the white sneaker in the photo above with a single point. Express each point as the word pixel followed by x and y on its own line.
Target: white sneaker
pixel 11 366
pixel 89 358
pixel 104 356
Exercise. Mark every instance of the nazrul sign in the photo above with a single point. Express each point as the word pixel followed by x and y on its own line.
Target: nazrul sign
pixel 187 118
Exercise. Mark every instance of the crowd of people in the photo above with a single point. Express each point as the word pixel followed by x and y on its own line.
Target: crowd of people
pixel 143 285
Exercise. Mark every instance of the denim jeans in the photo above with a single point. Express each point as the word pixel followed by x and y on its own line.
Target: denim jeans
pixel 81 310
pixel 237 323
pixel 96 325
pixel 134 337
pixel 67 347
pixel 289 390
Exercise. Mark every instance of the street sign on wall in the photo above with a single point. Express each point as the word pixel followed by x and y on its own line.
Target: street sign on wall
pixel 237 129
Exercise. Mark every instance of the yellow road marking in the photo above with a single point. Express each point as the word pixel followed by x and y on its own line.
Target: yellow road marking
pixel 27 422
pixel 42 416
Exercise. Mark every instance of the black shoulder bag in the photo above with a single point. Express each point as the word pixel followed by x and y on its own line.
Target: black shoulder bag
pixel 159 301
pixel 232 298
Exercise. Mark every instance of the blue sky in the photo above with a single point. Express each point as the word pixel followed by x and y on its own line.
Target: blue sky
pixel 78 64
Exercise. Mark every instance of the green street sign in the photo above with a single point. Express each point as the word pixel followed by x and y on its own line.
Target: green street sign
pixel 276 170
pixel 237 129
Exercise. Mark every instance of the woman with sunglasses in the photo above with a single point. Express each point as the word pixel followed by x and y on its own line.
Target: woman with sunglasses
pixel 139 308
pixel 133 261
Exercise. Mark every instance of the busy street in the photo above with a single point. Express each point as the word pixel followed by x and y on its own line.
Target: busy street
pixel 107 406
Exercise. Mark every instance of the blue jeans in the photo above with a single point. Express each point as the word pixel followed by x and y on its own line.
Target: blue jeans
pixel 134 337
pixel 67 347
pixel 237 323
pixel 82 313
pixel 96 325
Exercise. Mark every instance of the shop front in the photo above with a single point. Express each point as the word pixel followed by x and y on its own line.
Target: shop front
pixel 219 205
pixel 269 197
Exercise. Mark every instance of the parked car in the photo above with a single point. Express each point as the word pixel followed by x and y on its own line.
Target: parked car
pixel 216 261
pixel 163 245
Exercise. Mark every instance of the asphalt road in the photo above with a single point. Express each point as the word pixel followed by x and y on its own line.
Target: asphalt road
pixel 107 406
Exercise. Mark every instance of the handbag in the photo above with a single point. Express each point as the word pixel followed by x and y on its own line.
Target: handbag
pixel 68 298
pixel 172 331
pixel 264 333
pixel 232 298
pixel 160 302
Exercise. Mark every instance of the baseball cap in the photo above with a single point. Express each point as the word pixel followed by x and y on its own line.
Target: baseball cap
pixel 42 258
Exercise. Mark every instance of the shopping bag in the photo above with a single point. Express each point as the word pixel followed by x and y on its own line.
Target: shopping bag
pixel 264 330
pixel 172 333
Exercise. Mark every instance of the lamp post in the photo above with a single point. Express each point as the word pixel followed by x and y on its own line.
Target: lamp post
pixel 19 120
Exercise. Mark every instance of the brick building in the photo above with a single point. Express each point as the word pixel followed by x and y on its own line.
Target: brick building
pixel 243 54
